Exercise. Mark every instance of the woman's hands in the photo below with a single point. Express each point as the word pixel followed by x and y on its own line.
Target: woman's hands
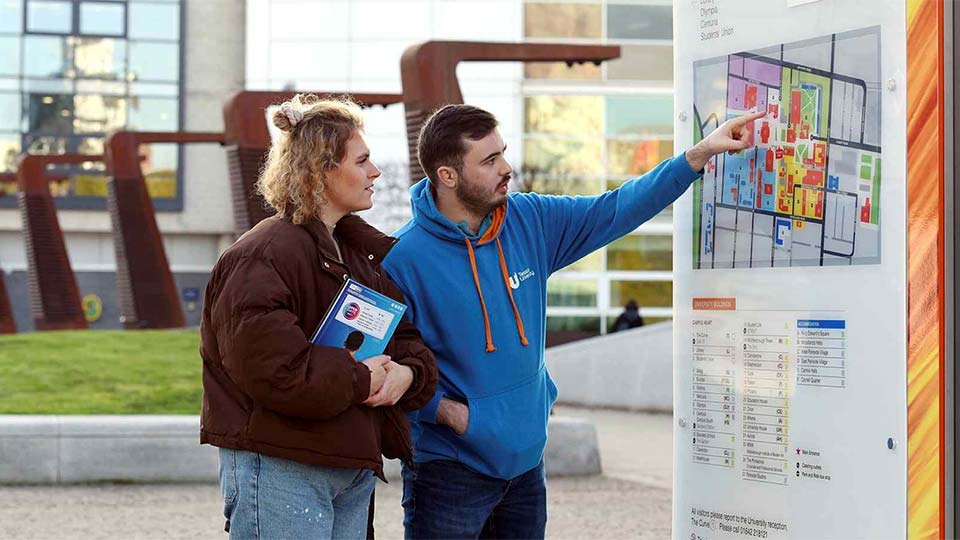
pixel 388 381
pixel 378 373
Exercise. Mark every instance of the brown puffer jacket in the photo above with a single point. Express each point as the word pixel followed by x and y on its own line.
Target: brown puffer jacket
pixel 266 388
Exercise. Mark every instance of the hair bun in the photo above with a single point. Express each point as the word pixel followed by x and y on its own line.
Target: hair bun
pixel 287 116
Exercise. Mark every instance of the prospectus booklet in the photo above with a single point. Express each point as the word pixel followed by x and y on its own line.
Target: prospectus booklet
pixel 360 320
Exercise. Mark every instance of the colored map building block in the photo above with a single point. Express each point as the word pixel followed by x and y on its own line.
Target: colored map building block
pixel 808 203
pixel 819 154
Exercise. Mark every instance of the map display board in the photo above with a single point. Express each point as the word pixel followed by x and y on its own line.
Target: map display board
pixel 789 273
pixel 808 193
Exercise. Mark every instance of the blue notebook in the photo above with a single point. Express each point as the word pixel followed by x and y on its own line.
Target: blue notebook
pixel 360 320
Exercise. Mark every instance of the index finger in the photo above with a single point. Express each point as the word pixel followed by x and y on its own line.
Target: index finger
pixel 747 118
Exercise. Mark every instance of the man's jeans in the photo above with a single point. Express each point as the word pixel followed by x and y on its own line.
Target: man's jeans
pixel 444 499
pixel 268 497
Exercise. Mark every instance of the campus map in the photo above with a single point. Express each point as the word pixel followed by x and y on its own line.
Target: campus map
pixel 808 192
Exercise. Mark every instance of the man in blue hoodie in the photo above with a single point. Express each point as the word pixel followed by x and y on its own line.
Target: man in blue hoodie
pixel 473 264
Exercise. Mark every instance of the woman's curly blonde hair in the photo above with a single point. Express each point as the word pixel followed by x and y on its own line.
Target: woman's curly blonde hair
pixel 313 141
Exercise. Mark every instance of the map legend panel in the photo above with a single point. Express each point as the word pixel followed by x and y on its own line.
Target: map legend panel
pixel 748 367
pixel 822 353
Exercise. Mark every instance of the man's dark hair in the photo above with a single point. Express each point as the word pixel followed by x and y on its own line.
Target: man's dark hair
pixel 441 139
pixel 354 341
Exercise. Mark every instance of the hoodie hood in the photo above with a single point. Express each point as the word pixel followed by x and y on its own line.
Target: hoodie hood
pixel 427 215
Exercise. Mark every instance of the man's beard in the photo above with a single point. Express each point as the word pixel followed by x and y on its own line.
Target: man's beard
pixel 476 199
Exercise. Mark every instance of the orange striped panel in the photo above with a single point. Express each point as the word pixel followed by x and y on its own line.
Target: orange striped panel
pixel 925 258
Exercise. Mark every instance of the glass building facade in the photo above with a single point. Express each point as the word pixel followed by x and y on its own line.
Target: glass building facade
pixel 73 70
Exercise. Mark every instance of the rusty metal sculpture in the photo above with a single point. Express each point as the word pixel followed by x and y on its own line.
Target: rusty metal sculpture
pixel 429 74
pixel 247 141
pixel 7 324
pixel 145 286
pixel 54 296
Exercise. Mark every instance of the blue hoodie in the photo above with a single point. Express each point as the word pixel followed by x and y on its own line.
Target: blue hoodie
pixel 480 303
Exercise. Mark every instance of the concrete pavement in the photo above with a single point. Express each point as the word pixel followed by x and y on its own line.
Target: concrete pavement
pixel 630 500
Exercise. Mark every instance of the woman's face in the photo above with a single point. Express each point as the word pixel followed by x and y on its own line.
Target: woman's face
pixel 350 186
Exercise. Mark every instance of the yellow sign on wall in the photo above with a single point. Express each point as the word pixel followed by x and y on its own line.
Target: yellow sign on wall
pixel 92 307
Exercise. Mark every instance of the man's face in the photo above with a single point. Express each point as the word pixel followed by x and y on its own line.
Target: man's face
pixel 485 175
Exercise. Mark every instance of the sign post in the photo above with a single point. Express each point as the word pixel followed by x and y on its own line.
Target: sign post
pixel 809 385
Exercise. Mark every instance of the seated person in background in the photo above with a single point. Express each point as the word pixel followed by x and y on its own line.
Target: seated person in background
pixel 630 318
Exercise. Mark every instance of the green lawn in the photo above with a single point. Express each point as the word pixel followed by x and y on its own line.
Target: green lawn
pixel 100 372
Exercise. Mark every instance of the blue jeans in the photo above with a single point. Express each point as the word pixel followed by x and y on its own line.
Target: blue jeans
pixel 268 497
pixel 444 499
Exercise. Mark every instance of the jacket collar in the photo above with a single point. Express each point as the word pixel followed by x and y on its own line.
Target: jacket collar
pixel 352 231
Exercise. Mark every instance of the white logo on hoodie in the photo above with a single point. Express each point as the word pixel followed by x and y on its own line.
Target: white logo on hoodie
pixel 516 278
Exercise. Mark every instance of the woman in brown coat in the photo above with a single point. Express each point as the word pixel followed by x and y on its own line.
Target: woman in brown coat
pixel 301 427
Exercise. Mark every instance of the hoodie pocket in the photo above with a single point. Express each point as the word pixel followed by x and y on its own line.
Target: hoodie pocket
pixel 509 429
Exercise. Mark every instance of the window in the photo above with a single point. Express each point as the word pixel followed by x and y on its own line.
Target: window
pixel 9 56
pixel 587 326
pixel 642 62
pixel 10 15
pixel 552 20
pixel 100 58
pixel 154 61
pixel 646 116
pixel 549 21
pixel 9 112
pixel 631 158
pixel 631 21
pixel 46 57
pixel 98 113
pixel 572 293
pixel 9 149
pixel 160 169
pixel 641 252
pixel 50 16
pixel 49 113
pixel 102 18
pixel 644 293
pixel 154 21
pixel 579 116
pixel 592 262
pixel 45 144
pixel 575 163
pixel 153 114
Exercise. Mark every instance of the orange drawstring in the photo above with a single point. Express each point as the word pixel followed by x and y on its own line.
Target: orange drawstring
pixel 499 216
pixel 506 281
pixel 483 305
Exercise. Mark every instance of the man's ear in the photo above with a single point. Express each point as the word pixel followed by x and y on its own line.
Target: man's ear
pixel 448 176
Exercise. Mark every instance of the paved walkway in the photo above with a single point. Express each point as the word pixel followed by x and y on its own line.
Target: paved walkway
pixel 630 500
